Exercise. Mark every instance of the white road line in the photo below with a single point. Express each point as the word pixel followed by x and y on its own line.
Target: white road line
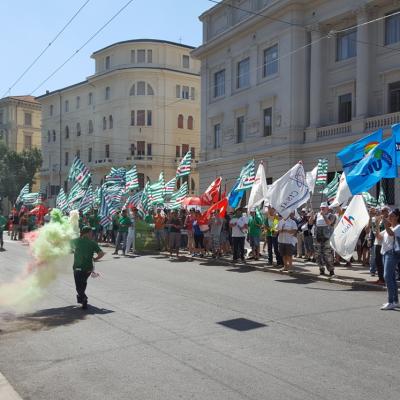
pixel 7 392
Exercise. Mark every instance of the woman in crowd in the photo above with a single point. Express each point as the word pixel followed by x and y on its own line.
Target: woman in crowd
pixel 198 235
pixel 287 229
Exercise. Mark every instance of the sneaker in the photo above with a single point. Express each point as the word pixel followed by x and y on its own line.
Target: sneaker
pixel 396 304
pixel 379 282
pixel 388 306
pixel 332 274
pixel 84 304
pixel 322 272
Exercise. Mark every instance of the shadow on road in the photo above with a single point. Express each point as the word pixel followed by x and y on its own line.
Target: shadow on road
pixel 243 269
pixel 47 319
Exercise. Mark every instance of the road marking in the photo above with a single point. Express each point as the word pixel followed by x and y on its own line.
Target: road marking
pixel 7 392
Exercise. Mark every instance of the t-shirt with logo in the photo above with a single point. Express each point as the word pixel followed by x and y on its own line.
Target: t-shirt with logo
pixel 84 249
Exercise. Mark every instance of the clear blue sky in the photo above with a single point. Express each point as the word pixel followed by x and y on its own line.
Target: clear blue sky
pixel 28 26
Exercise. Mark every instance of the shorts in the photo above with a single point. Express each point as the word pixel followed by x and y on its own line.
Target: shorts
pixel 254 241
pixel 199 241
pixel 286 249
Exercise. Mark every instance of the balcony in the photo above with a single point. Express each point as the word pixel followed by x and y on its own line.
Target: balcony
pixel 354 127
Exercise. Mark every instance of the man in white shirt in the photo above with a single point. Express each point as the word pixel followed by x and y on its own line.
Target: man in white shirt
pixel 239 231
pixel 287 231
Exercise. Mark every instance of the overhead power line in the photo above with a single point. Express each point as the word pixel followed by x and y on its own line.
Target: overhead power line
pixel 82 46
pixel 36 59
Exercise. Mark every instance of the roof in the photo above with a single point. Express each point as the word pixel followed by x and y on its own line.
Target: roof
pixel 28 99
pixel 146 41
pixel 64 88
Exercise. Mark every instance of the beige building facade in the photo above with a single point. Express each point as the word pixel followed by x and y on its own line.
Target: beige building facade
pixel 287 80
pixel 141 106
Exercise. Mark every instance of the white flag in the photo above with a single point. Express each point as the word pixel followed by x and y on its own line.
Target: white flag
pixel 345 236
pixel 311 178
pixel 343 193
pixel 259 189
pixel 289 192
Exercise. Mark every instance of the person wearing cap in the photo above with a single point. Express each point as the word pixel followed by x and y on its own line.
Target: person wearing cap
pixel 324 222
pixel 84 249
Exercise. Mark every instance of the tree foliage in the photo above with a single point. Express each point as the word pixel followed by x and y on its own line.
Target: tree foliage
pixel 16 170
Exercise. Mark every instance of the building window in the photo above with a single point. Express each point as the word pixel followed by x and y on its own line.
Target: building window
pixel 51 111
pixel 149 149
pixel 27 142
pixel 178 91
pixel 66 106
pixel 150 91
pixel 78 129
pixel 141 118
pixel 267 122
pixel 219 83
pixel 180 121
pixel 185 92
pixel 243 73
pixel 185 61
pixel 270 66
pixel 149 56
pixel 108 93
pixel 107 151
pixel 178 151
pixel 28 119
pixel 141 180
pixel 54 135
pixel 140 148
pixel 149 118
pixel 392 29
pixel 132 149
pixel 90 98
pixel 345 112
pixel 104 123
pixel 78 102
pixel 394 97
pixel 132 118
pixel 132 56
pixel 190 122
pixel 240 129
pixel 217 136
pixel 141 88
pixel 90 126
pixel 78 154
pixel 90 151
pixel 108 62
pixel 192 93
pixel 132 92
pixel 1 117
pixel 185 149
pixel 67 132
pixel 346 45
pixel 48 136
pixel 193 152
pixel 110 122
pixel 141 56
pixel 66 161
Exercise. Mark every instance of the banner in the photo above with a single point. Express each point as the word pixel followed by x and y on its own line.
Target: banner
pixel 259 190
pixel 311 178
pixel 345 236
pixel 343 192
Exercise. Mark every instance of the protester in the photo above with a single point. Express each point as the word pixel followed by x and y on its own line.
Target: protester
pixel 198 235
pixel 149 217
pixel 391 255
pixel 3 223
pixel 123 224
pixel 271 223
pixel 175 226
pixel 255 225
pixel 302 220
pixel 287 228
pixel 130 239
pixel 94 222
pixel 159 232
pixel 190 218
pixel 324 222
pixel 216 223
pixel 84 249
pixel 115 226
pixel 226 236
pixel 239 225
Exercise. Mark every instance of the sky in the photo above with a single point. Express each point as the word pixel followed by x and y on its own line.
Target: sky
pixel 27 27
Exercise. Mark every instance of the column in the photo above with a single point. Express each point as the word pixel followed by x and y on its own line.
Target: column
pixel 362 84
pixel 315 79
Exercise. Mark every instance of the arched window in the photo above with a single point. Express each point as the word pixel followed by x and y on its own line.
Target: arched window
pixel 51 110
pixel 141 88
pixel 132 91
pixel 67 132
pixel 104 123
pixel 190 122
pixel 110 122
pixel 48 136
pixel 180 121
pixel 108 93
pixel 54 135
pixel 78 129
pixel 150 91
pixel 90 126
pixel 133 117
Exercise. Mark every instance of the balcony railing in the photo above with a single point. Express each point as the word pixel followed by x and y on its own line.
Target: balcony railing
pixel 333 130
pixel 382 121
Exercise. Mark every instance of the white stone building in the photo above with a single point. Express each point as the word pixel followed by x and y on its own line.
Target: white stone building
pixel 141 106
pixel 280 85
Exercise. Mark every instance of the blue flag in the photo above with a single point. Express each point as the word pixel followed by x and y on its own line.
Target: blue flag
pixel 352 154
pixel 235 196
pixel 396 134
pixel 379 163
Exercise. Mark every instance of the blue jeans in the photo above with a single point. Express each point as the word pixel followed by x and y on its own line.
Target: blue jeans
pixel 372 260
pixel 390 261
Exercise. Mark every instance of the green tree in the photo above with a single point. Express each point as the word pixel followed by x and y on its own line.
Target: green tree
pixel 16 170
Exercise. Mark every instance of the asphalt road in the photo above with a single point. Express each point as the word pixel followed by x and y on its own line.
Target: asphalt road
pixel 153 331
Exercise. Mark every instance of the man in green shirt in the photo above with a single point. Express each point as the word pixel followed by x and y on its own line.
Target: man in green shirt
pixel 255 225
pixel 94 222
pixel 124 224
pixel 84 249
pixel 149 218
pixel 3 223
